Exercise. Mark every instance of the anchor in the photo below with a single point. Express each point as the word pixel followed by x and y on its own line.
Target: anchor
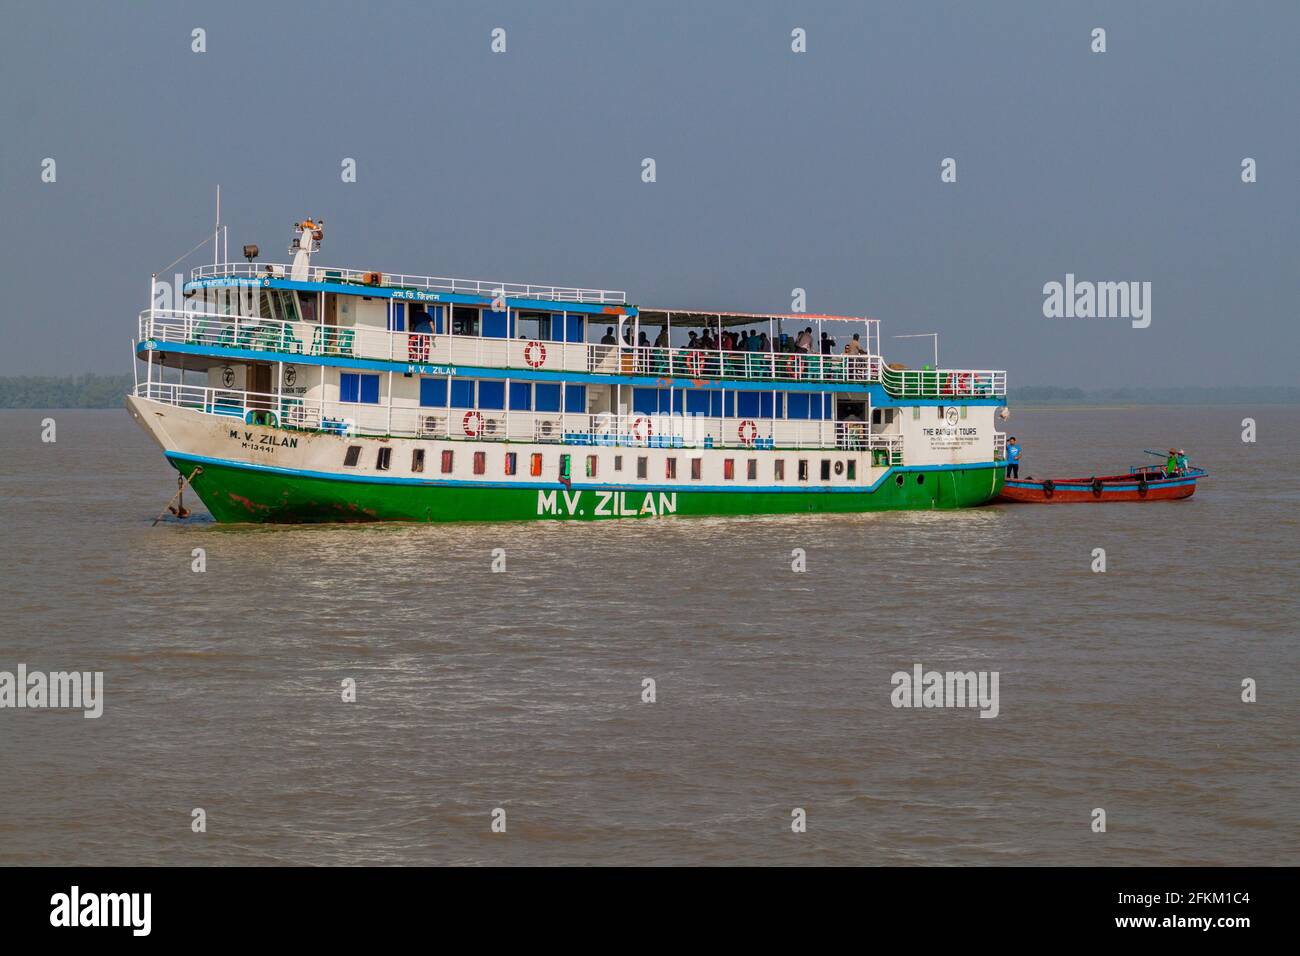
pixel 178 509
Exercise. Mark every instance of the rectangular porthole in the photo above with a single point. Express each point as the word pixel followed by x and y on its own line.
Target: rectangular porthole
pixel 446 462
pixel 591 466
pixel 510 463
pixel 417 460
pixel 642 466
pixel 697 469
pixel 670 468
pixel 852 472
pixel 618 462
pixel 778 469
pixel 535 464
pixel 480 462
pixel 826 469
pixel 383 459
pixel 729 469
pixel 751 469
pixel 352 456
pixel 803 469
pixel 564 466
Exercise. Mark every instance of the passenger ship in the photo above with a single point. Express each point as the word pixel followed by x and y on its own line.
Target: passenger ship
pixel 328 394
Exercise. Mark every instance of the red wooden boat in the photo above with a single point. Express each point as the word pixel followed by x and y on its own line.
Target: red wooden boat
pixel 1142 483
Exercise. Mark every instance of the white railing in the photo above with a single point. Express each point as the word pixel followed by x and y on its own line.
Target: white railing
pixel 219 330
pixel 264 270
pixel 407 421
pixel 999 446
pixel 944 383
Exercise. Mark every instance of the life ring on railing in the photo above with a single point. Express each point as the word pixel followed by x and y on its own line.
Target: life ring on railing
pixel 1049 488
pixel 695 363
pixel 747 432
pixel 472 423
pixel 961 383
pixel 417 347
pixel 635 430
pixel 535 354
pixel 1097 486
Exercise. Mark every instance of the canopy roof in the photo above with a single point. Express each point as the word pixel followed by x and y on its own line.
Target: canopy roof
pixel 695 318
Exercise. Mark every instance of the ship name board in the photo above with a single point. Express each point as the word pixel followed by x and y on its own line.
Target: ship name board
pixel 608 504
pixel 430 370
pixel 260 441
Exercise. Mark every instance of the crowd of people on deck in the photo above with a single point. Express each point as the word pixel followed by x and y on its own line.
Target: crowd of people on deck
pixel 740 341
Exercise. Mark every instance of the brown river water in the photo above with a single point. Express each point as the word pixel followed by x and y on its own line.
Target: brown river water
pixel 522 690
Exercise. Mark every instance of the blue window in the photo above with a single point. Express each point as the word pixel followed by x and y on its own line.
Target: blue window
pixel 359 388
pixel 546 397
pixel 433 392
pixel 496 324
pixel 521 395
pixel 645 401
pixel 491 394
pixel 462 393
pixel 575 330
pixel 697 401
pixel 557 326
pixel 397 318
pixel 796 404
pixel 747 405
pixel 575 398
pixel 764 404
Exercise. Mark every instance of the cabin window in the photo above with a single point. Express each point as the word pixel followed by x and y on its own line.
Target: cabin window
pixel 778 469
pixel 433 392
pixel 876 417
pixel 521 396
pixel 618 462
pixel 417 460
pixel 670 468
pixel 383 458
pixel 352 456
pixel 446 461
pixel 940 410
pixel 591 466
pixel 396 316
pixel 510 463
pixel 480 462
pixel 853 470
pixel 826 469
pixel 363 389
pixel 575 398
pixel 535 464
pixel 464 320
pixel 565 464
pixel 697 469
pixel 546 397
pixel 729 469
pixel 462 393
pixel 751 469
pixel 492 394
pixel 642 466
pixel 803 469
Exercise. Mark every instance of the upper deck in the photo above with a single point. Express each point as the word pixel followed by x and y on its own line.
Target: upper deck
pixel 371 279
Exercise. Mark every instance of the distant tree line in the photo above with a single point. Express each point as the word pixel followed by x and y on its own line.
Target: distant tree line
pixel 64 391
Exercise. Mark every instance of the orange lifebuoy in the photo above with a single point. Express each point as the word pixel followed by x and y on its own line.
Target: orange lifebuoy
pixel 695 363
pixel 747 432
pixel 473 424
pixel 635 430
pixel 535 354
pixel 961 383
pixel 417 347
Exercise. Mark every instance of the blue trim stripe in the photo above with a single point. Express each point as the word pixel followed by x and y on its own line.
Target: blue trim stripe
pixel 174 456
pixel 879 397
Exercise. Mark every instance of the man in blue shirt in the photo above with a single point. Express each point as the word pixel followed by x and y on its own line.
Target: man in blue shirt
pixel 1013 458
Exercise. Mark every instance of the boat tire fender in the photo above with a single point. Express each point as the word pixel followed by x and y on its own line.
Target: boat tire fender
pixel 1097 487
pixel 1049 488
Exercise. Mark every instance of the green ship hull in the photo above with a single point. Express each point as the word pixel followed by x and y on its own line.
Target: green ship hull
pixel 237 493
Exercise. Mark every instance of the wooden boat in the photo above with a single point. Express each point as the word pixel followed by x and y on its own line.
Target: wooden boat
pixel 1142 483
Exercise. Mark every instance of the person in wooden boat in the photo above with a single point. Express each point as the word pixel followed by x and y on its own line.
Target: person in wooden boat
pixel 1013 458
pixel 1171 466
pixel 1183 464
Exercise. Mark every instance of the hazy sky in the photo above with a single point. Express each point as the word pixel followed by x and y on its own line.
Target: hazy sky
pixel 775 169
